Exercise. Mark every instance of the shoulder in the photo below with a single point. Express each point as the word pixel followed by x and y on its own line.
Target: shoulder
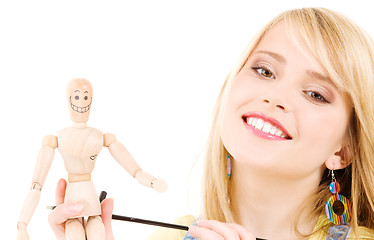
pixel 109 138
pixel 50 141
pixel 185 220
pixel 172 234
pixel 325 230
pixel 364 233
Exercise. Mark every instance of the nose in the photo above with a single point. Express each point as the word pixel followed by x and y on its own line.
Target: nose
pixel 278 97
pixel 279 106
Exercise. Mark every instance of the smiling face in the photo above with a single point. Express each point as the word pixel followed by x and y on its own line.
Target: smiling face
pixel 79 94
pixel 283 114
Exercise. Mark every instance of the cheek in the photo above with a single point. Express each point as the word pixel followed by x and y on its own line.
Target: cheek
pixel 242 92
pixel 322 133
pixel 240 99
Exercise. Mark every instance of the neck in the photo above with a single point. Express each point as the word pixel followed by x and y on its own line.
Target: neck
pixel 268 206
pixel 79 124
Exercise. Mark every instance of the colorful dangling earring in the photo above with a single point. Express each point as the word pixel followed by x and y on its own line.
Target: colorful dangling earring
pixel 337 207
pixel 228 166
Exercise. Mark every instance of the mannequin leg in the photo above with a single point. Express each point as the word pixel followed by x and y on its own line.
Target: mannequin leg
pixel 95 228
pixel 74 230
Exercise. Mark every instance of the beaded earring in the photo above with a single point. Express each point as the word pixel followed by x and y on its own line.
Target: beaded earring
pixel 337 207
pixel 228 166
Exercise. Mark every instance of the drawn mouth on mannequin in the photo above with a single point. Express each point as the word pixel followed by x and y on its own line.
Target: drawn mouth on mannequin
pixel 80 109
pixel 265 127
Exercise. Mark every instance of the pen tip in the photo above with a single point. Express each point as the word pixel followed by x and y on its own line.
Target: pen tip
pixel 51 207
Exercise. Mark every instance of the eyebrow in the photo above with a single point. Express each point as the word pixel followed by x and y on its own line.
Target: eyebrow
pixel 274 55
pixel 319 76
pixel 76 91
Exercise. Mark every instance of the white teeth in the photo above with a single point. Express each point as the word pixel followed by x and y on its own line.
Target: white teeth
pixel 273 130
pixel 254 121
pixel 266 127
pixel 278 133
pixel 249 121
pixel 259 124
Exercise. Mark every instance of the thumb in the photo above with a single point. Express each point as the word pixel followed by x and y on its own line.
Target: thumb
pixel 106 215
pixel 63 212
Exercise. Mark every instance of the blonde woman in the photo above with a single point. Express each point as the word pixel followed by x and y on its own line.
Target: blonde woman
pixel 308 81
pixel 295 115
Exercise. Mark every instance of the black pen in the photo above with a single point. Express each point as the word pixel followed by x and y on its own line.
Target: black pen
pixel 149 222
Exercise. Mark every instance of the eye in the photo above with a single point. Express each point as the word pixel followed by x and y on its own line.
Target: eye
pixel 76 97
pixel 264 72
pixel 316 96
pixel 85 98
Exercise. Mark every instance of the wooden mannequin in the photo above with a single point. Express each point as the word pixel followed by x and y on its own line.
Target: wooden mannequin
pixel 79 146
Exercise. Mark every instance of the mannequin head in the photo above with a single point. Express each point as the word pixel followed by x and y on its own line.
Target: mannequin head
pixel 79 95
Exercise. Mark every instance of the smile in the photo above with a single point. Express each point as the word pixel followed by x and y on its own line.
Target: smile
pixel 80 109
pixel 265 127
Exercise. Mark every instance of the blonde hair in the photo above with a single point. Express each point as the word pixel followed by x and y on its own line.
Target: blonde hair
pixel 347 54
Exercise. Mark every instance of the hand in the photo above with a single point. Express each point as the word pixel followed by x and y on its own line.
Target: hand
pixel 213 230
pixel 159 185
pixel 148 180
pixel 64 211
pixel 22 232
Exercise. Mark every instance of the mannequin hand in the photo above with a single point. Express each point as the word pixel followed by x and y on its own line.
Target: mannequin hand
pixel 22 232
pixel 148 180
pixel 213 230
pixel 63 211
pixel 159 185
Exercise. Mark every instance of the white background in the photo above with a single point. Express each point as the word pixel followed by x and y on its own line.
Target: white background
pixel 156 68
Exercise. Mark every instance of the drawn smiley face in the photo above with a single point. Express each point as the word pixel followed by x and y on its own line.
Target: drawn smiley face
pixel 80 101
pixel 79 95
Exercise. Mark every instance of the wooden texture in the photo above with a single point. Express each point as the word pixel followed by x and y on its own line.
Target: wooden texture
pixel 109 138
pixel 79 148
pixel 74 230
pixel 28 209
pixel 124 158
pixel 95 228
pixel 83 193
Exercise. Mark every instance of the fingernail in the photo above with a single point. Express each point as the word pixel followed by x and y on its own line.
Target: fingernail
pixel 75 208
pixel 191 228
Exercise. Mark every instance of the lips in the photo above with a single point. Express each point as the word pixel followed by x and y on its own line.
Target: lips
pixel 265 127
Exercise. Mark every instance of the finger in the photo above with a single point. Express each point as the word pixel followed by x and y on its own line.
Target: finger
pixel 63 212
pixel 223 229
pixel 60 191
pixel 106 215
pixel 204 233
pixel 244 234
pixel 59 215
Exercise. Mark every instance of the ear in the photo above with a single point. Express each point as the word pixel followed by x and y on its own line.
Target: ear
pixel 340 159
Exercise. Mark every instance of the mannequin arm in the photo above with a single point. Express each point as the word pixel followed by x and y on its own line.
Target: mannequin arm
pixel 124 158
pixel 43 163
